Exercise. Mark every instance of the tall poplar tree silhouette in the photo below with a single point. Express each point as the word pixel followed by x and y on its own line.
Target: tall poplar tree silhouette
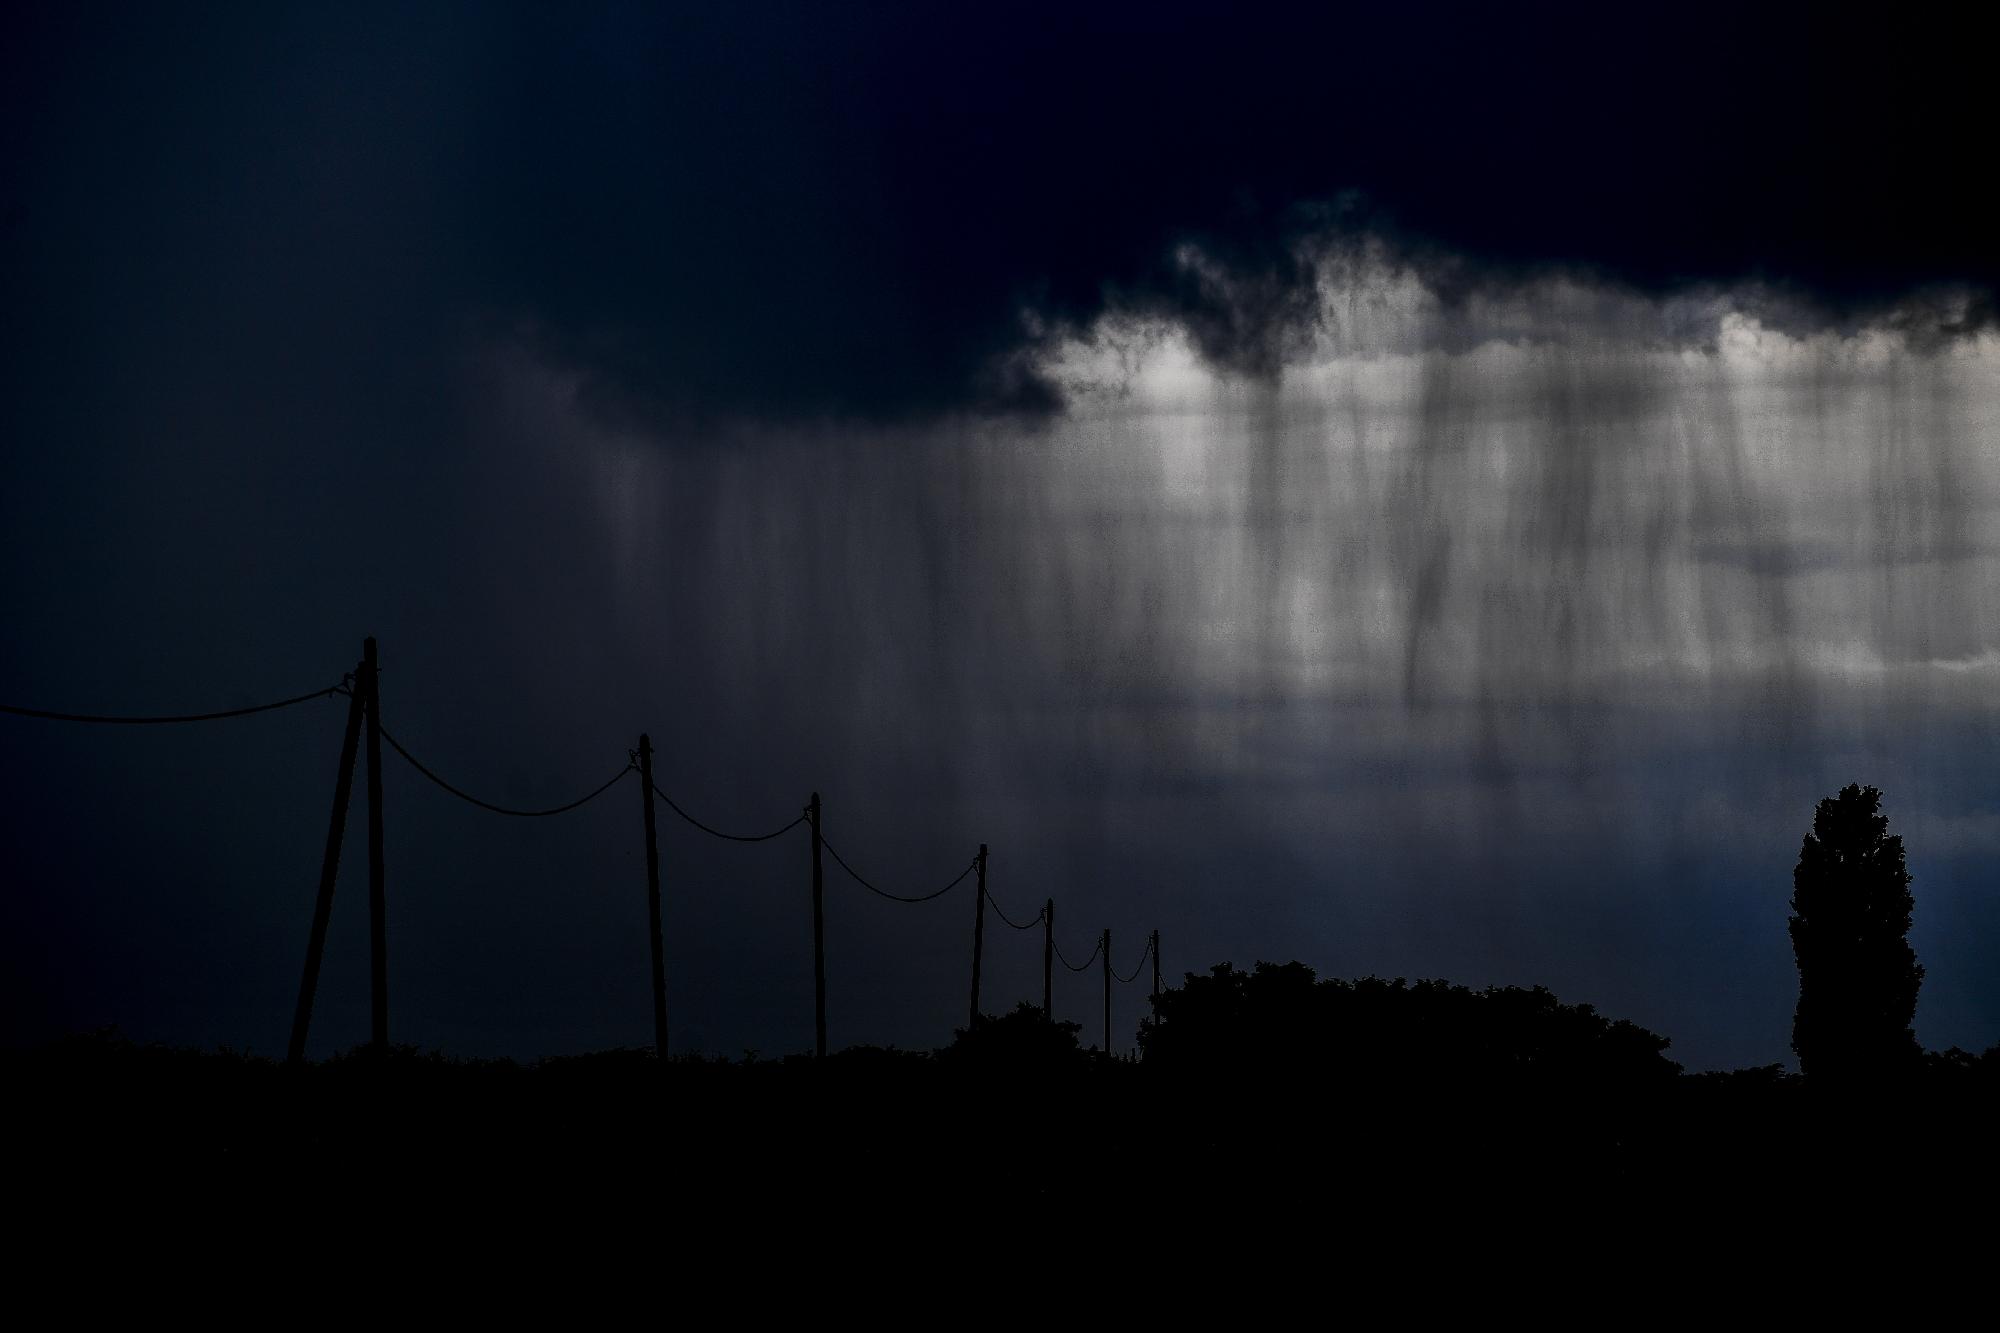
pixel 1858 975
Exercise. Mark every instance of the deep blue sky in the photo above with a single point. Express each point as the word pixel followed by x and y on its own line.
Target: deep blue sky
pixel 326 321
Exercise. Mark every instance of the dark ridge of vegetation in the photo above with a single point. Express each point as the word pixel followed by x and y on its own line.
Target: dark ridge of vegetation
pixel 1281 1016
pixel 1251 1081
pixel 1013 1125
pixel 1271 1020
pixel 1256 1089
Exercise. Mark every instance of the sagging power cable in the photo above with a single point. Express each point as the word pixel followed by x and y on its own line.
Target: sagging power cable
pixel 326 693
pixel 718 833
pixel 1138 966
pixel 418 764
pixel 884 893
pixel 1018 925
pixel 1078 967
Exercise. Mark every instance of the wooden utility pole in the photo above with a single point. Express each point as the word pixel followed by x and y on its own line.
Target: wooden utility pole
pixel 329 871
pixel 378 903
pixel 1156 977
pixel 1156 974
pixel 1105 946
pixel 654 935
pixel 978 936
pixel 819 939
pixel 1048 959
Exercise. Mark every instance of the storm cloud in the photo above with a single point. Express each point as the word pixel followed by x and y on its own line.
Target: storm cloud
pixel 1475 630
pixel 874 211
pixel 1436 492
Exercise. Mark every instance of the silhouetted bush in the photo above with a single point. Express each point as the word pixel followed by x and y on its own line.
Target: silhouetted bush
pixel 871 1061
pixel 1957 1068
pixel 1024 1040
pixel 1280 1015
pixel 1756 1079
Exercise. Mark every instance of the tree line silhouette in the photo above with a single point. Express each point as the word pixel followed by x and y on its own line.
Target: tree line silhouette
pixel 1850 918
pixel 1858 982
pixel 1248 1084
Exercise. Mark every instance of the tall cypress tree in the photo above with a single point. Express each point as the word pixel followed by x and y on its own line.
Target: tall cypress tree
pixel 1858 975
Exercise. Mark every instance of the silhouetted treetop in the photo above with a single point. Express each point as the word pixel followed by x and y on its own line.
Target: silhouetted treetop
pixel 1858 975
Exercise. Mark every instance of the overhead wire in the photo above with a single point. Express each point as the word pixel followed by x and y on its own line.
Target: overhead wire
pixel 160 719
pixel 858 878
pixel 1078 967
pixel 419 765
pixel 345 688
pixel 1138 966
pixel 718 833
pixel 1036 920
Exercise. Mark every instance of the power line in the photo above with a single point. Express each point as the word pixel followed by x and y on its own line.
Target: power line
pixel 346 687
pixel 1078 967
pixel 895 897
pixel 326 693
pixel 718 833
pixel 417 764
pixel 1136 966
pixel 1018 925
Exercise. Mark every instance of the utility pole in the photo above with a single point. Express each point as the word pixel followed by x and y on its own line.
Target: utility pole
pixel 1048 959
pixel 819 939
pixel 329 871
pixel 378 903
pixel 654 935
pixel 1156 977
pixel 1156 974
pixel 978 937
pixel 1105 946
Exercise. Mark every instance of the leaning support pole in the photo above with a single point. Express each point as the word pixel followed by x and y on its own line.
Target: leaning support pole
pixel 1105 946
pixel 329 871
pixel 819 938
pixel 1048 959
pixel 378 903
pixel 978 937
pixel 653 935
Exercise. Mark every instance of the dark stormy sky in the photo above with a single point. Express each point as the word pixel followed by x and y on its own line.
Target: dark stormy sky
pixel 1426 490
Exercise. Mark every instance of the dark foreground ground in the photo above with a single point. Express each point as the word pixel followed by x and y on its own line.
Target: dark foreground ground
pixel 877 1129
pixel 878 1156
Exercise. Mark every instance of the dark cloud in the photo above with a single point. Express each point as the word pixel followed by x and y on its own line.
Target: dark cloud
pixel 1508 635
pixel 799 210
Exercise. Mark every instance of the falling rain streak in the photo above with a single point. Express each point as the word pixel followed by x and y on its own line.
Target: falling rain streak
pixel 1434 582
